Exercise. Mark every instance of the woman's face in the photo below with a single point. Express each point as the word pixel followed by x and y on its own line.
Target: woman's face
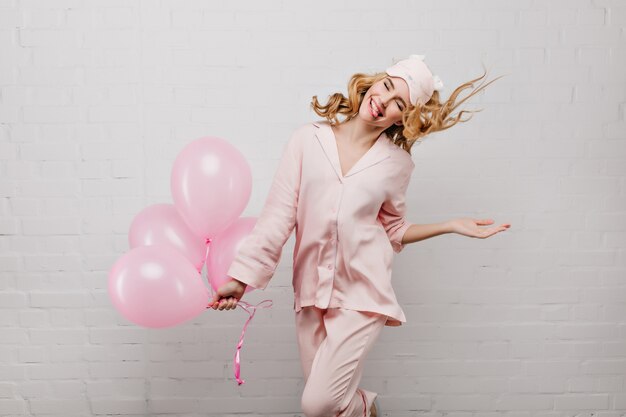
pixel 391 98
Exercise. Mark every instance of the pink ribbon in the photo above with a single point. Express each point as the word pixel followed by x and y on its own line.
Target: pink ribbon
pixel 245 306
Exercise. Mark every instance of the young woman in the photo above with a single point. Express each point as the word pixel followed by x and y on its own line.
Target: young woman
pixel 342 186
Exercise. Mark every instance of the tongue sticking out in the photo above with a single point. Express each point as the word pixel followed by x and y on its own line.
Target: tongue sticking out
pixel 374 110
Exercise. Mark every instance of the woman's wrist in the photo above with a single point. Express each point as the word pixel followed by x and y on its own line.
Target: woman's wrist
pixel 447 227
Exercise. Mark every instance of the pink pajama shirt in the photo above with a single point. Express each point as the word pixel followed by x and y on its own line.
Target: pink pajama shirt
pixel 347 227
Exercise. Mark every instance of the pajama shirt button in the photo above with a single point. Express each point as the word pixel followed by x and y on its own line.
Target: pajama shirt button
pixel 330 266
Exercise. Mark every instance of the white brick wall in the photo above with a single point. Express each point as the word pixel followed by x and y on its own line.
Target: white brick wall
pixel 98 97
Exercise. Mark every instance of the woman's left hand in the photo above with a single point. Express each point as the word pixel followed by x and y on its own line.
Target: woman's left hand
pixel 468 226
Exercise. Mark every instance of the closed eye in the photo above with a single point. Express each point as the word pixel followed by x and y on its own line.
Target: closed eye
pixel 397 103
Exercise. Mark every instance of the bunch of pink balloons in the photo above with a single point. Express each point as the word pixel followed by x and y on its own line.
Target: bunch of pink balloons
pixel 158 282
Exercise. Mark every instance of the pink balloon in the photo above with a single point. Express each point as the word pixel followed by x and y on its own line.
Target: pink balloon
pixel 210 184
pixel 161 224
pixel 156 286
pixel 223 250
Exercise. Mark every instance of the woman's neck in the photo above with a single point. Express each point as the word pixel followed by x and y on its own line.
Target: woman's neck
pixel 356 133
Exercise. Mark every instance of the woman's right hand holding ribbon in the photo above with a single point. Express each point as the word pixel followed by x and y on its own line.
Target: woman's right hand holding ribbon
pixel 228 295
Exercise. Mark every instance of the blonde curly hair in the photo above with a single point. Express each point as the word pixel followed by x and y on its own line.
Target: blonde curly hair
pixel 417 121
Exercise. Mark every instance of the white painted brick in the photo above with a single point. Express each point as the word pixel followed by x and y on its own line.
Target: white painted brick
pixel 187 19
pixel 14 407
pixel 523 402
pixel 10 18
pixel 616 130
pixel 155 17
pixel 113 114
pixel 220 19
pixel 116 388
pixel 55 56
pixel 32 389
pixel 122 95
pixel 33 354
pixel 9 316
pixel 115 17
pixel 45 37
pixel 44 336
pixel 533 18
pixel 119 406
pixel 121 352
pixel 59 406
pixel 110 38
pixel 172 405
pixel 43 4
pixel 67 318
pixel 8 226
pixel 53 114
pixel 7 390
pixel 88 95
pixel 43 151
pixel 616 15
pixel 606 221
pixel 33 318
pixel 131 335
pixel 40 19
pixel 8 114
pixel 523 38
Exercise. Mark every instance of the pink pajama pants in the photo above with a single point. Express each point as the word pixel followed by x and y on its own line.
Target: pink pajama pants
pixel 333 346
